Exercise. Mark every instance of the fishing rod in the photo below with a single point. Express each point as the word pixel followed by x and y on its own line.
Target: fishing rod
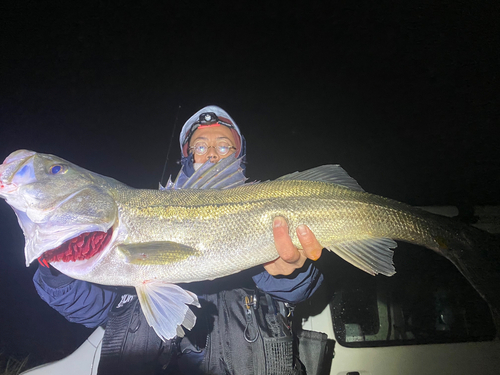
pixel 170 145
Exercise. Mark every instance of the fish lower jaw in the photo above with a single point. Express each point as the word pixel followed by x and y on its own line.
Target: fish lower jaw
pixel 6 189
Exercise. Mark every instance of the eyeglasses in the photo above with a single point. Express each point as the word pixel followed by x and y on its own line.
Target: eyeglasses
pixel 222 148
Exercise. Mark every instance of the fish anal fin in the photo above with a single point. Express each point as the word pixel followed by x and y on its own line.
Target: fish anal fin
pixel 155 253
pixel 166 309
pixel 372 255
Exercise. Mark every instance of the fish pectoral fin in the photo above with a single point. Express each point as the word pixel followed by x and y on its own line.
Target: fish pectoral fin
pixel 159 252
pixel 166 308
pixel 372 255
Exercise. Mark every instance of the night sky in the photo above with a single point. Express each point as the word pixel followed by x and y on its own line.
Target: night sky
pixel 404 97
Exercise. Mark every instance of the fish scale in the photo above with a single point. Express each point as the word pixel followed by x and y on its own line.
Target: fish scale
pixel 241 220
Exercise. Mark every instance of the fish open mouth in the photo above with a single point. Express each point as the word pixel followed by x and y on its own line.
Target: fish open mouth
pixel 82 247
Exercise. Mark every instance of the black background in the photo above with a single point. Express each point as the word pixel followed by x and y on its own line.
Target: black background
pixel 404 97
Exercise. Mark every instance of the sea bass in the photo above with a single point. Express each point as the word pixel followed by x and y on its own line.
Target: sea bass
pixel 94 228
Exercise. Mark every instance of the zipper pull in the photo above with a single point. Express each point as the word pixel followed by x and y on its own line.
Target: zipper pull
pixel 250 303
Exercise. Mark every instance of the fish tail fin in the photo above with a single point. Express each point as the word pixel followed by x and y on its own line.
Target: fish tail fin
pixel 166 307
pixel 476 254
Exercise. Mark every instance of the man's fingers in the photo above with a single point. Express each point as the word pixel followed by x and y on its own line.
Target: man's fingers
pixel 311 246
pixel 290 258
pixel 286 250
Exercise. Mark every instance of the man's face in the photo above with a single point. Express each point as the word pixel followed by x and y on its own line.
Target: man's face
pixel 212 136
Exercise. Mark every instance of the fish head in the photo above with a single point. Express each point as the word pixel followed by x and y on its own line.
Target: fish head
pixel 55 202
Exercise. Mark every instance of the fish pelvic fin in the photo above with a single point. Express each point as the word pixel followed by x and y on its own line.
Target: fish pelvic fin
pixel 372 255
pixel 333 173
pixel 155 253
pixel 166 309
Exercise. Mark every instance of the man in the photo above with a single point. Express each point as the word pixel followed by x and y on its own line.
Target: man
pixel 226 131
pixel 232 334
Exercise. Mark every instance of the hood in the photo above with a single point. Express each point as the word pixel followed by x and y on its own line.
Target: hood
pixel 187 160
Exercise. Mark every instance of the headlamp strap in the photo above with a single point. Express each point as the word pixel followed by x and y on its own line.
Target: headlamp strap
pixel 208 126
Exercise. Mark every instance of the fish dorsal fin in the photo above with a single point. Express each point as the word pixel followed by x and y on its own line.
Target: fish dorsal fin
pixel 166 309
pixel 225 174
pixel 168 186
pixel 372 255
pixel 332 173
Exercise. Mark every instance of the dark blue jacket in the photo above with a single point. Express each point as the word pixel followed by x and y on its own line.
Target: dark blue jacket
pixel 88 304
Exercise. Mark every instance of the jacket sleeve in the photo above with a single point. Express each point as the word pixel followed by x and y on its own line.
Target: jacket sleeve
pixel 293 289
pixel 78 301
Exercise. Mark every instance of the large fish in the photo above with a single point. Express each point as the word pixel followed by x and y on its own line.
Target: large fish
pixel 94 228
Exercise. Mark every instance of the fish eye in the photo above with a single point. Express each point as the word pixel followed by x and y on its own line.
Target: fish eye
pixel 57 169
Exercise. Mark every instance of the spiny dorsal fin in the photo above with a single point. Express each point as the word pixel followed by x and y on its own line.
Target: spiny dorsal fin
pixel 222 175
pixel 332 173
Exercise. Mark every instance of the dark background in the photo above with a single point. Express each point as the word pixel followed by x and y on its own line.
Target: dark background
pixel 404 97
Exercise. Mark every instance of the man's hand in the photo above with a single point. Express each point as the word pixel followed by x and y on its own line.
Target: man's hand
pixel 291 258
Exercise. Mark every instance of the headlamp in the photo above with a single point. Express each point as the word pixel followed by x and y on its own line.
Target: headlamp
pixel 206 119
